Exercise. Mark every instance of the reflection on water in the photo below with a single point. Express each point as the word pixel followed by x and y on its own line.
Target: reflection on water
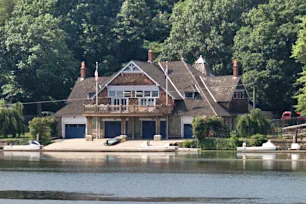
pixel 275 161
pixel 72 196
pixel 210 177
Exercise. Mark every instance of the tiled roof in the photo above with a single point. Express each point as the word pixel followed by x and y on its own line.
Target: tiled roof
pixel 193 107
pixel 156 73
pixel 79 95
pixel 184 78
pixel 221 87
pixel 88 85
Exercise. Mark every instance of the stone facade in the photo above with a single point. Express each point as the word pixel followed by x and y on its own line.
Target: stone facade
pixel 174 126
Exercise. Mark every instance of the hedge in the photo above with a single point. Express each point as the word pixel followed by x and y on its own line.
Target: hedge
pixel 218 144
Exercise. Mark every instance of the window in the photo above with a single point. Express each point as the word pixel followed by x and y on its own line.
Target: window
pixel 147 93
pixel 189 94
pixel 111 94
pixel 91 95
pixel 147 102
pixel 139 94
pixel 154 93
pixel 127 94
pixel 119 94
pixel 239 94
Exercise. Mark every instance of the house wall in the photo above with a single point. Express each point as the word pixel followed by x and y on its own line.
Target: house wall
pixel 138 79
pixel 132 79
pixel 238 106
pixel 174 126
pixel 72 121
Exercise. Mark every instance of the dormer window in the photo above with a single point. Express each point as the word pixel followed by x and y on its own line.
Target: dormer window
pixel 240 94
pixel 91 95
pixel 191 95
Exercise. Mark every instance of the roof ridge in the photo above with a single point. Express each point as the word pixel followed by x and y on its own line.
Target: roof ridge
pixel 199 86
pixel 161 67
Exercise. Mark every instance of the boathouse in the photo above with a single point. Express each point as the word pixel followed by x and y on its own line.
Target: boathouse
pixel 150 98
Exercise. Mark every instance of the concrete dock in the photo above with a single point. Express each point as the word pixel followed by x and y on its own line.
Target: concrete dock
pixel 81 145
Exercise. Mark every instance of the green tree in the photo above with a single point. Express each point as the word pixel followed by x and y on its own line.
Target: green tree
pixel 205 126
pixel 43 68
pixel 253 123
pixel 89 25
pixel 11 119
pixel 6 9
pixel 264 46
pixel 207 28
pixel 44 127
pixel 130 29
pixel 299 52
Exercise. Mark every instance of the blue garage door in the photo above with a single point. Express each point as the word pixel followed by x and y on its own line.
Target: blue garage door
pixel 163 129
pixel 112 129
pixel 75 131
pixel 187 131
pixel 148 129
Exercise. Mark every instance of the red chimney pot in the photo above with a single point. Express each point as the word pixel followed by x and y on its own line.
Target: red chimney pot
pixel 83 71
pixel 150 56
pixel 235 68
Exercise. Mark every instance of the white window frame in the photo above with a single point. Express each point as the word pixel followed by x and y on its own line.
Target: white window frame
pixel 242 94
pixel 147 101
pixel 192 97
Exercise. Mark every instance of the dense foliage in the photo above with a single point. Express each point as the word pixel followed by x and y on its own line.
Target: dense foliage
pixel 218 144
pixel 11 119
pixel 299 52
pixel 264 48
pixel 44 128
pixel 206 126
pixel 43 42
pixel 253 123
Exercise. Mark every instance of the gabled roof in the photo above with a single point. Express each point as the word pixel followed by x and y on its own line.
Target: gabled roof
pixel 155 72
pixel 221 87
pixel 83 87
pixel 79 96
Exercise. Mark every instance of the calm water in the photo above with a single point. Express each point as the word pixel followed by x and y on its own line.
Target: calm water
pixel 65 178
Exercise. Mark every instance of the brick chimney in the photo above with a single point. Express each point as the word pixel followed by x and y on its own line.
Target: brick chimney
pixel 83 71
pixel 150 56
pixel 235 68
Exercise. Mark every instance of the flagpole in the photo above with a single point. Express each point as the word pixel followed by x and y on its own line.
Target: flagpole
pixel 166 82
pixel 96 78
pixel 97 98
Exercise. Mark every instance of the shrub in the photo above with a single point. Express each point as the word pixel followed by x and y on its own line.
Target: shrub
pixel 257 140
pixel 253 123
pixel 44 127
pixel 225 144
pixel 218 144
pixel 208 144
pixel 190 144
pixel 206 126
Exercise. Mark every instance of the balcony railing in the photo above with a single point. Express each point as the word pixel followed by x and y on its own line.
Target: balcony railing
pixel 127 109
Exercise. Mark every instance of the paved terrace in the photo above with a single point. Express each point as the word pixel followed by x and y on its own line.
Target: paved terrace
pixel 81 145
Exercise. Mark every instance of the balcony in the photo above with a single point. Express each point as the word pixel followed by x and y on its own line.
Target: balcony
pixel 127 110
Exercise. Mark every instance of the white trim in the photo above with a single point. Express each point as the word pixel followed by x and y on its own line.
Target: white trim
pixel 170 81
pixel 151 119
pixel 199 86
pixel 115 76
pixel 207 89
pixel 74 120
pixel 244 89
pixel 185 120
pixel 113 119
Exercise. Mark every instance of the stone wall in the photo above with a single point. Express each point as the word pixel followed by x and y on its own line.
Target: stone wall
pixel 174 127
